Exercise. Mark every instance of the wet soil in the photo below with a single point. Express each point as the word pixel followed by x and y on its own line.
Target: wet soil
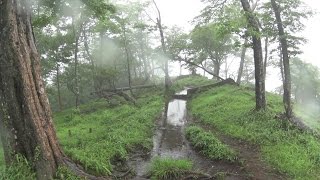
pixel 169 141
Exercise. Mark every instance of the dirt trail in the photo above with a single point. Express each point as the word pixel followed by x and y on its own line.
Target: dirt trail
pixel 169 141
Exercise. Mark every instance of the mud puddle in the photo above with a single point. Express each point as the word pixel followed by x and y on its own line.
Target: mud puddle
pixel 169 142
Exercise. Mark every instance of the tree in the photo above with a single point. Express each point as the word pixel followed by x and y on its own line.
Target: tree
pixel 213 44
pixel 254 31
pixel 25 115
pixel 285 60
pixel 163 45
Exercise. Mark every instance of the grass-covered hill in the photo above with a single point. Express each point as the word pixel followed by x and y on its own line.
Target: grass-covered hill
pixel 229 111
pixel 98 133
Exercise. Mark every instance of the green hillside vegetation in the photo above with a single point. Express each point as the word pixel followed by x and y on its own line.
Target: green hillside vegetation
pixel 96 134
pixel 230 110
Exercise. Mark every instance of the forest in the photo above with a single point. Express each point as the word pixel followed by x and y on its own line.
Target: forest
pixel 108 89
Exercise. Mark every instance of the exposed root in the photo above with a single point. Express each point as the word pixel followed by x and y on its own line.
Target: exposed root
pixel 124 174
pixel 78 170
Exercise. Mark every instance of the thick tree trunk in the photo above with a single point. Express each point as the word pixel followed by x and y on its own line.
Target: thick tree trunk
pixel 258 59
pixel 25 115
pixel 243 55
pixel 286 64
pixel 58 86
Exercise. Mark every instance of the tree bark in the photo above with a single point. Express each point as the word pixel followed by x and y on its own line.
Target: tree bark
pixel 216 69
pixel 58 86
pixel 243 56
pixel 258 59
pixel 265 56
pixel 285 60
pixel 25 115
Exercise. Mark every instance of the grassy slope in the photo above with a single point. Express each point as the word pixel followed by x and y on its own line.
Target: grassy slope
pixel 229 109
pixel 114 132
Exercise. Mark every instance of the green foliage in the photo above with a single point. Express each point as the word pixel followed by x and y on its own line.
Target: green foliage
pixel 191 81
pixel 230 109
pixel 19 170
pixel 166 168
pixel 209 145
pixel 97 138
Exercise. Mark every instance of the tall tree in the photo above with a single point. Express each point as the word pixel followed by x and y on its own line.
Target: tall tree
pixel 285 60
pixel 253 24
pixel 163 45
pixel 25 115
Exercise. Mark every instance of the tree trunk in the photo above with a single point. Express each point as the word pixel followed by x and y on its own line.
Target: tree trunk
pixel 25 115
pixel 163 45
pixel 127 57
pixel 216 69
pixel 93 68
pixel 258 59
pixel 286 64
pixel 243 56
pixel 265 57
pixel 76 50
pixel 58 86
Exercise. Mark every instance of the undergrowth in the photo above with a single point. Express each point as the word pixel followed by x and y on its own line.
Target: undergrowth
pixel 230 109
pixel 102 137
pixel 19 170
pixel 166 168
pixel 97 135
pixel 209 145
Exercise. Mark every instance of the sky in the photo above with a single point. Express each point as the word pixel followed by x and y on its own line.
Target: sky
pixel 181 12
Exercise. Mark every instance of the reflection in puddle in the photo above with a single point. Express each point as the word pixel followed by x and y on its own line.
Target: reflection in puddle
pixel 176 112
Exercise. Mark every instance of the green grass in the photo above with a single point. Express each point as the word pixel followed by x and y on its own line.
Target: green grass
pixel 96 134
pixel 166 168
pixel 209 145
pixel 191 81
pixel 19 170
pixel 1 156
pixel 230 109
pixel 115 132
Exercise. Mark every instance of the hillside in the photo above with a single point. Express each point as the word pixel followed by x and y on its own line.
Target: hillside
pixel 222 127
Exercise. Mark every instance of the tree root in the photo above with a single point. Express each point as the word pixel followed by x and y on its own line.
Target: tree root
pixel 78 170
pixel 124 174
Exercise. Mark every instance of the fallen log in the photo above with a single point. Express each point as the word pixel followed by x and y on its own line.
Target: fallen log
pixel 127 88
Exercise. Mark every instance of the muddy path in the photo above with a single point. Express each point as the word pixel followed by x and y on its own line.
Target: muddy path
pixel 249 153
pixel 169 142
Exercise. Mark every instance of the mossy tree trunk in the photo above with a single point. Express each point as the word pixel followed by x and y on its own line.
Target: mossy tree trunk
pixel 25 115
